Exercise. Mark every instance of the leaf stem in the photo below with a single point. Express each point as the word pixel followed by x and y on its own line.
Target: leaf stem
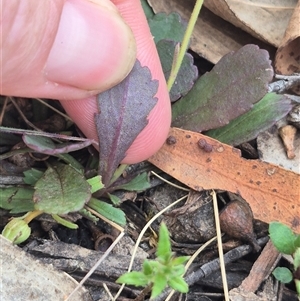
pixel 185 43
pixel 118 173
pixel 31 215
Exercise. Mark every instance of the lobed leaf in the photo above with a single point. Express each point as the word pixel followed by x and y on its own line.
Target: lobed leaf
pixel 263 115
pixel 187 74
pixel 230 89
pixel 123 115
pixel 282 237
pixel 61 190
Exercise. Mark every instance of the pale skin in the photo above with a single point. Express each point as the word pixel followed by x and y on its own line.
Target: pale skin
pixel 71 50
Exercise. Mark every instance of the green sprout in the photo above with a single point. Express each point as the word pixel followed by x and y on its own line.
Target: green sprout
pixel 286 242
pixel 165 270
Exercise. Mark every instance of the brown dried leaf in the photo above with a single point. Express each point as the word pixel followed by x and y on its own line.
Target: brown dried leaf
pixel 271 191
pixel 266 20
pixel 287 60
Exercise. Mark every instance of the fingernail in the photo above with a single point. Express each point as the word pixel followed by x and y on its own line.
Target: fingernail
pixel 93 49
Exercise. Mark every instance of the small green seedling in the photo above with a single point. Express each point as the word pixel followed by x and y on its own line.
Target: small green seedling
pixel 165 270
pixel 286 242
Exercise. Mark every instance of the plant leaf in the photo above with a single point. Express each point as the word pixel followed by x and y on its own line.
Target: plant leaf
pixel 164 244
pixel 114 199
pixel 147 267
pixel 159 283
pixel 64 222
pixel 297 241
pixel 297 259
pixel 17 200
pixel 282 237
pixel 108 211
pixel 187 74
pixel 133 278
pixel 230 89
pixel 123 115
pixel 170 27
pixel 147 9
pixel 139 183
pixel 61 190
pixel 178 284
pixel 46 146
pixel 96 183
pixel 263 115
pixel 32 175
pixel 283 274
pixel 180 260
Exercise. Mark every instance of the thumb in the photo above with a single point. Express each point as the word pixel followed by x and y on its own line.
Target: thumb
pixel 49 48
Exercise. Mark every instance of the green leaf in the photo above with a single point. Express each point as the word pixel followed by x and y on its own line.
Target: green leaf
pixel 282 237
pixel 96 183
pixel 147 9
pixel 17 200
pixel 177 270
pixel 297 283
pixel 61 190
pixel 147 267
pixel 263 115
pixel 164 244
pixel 178 284
pixel 297 259
pixel 107 210
pixel 32 176
pixel 230 89
pixel 297 241
pixel 64 222
pixel 139 183
pixel 169 27
pixel 87 214
pixel 180 260
pixel 283 275
pixel 159 284
pixel 114 199
pixel 133 278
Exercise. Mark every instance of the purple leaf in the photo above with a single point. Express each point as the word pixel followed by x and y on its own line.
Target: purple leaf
pixel 187 74
pixel 46 146
pixel 123 115
pixel 236 82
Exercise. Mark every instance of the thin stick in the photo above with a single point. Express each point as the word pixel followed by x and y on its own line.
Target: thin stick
pixel 185 43
pixel 220 248
pixel 23 116
pixel 96 265
pixel 170 183
pixel 3 109
pixel 53 109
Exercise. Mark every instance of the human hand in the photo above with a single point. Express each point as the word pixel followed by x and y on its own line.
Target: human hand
pixel 72 50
